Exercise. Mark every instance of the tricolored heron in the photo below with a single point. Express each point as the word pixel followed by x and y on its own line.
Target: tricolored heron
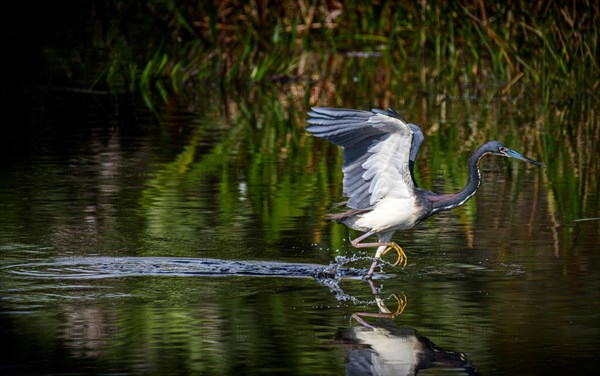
pixel 380 149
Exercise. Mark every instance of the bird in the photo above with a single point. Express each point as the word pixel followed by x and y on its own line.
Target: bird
pixel 379 152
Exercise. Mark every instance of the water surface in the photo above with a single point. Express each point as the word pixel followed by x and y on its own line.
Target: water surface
pixel 198 244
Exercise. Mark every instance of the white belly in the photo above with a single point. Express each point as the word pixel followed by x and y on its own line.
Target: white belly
pixel 389 214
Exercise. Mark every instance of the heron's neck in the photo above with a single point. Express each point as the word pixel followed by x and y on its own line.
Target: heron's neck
pixel 449 201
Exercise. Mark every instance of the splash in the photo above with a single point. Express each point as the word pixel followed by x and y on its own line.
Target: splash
pixel 331 275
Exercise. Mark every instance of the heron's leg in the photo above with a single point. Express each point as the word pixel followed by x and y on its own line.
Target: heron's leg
pixel 384 312
pixel 356 243
pixel 358 316
pixel 373 265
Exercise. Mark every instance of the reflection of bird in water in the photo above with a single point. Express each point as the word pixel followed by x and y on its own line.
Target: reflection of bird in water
pixel 385 349
pixel 381 348
pixel 380 149
pixel 384 311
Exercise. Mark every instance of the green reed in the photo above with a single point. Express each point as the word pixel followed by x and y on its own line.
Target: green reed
pixel 549 46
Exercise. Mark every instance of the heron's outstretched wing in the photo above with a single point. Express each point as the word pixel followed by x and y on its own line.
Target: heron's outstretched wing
pixel 379 151
pixel 418 139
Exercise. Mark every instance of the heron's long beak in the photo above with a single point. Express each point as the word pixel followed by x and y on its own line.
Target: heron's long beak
pixel 513 154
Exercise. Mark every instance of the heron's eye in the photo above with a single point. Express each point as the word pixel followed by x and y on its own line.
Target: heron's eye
pixel 502 149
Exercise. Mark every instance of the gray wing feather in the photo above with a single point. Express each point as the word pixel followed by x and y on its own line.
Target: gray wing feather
pixel 361 134
pixel 341 126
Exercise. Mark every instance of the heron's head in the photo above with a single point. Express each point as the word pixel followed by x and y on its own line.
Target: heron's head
pixel 500 149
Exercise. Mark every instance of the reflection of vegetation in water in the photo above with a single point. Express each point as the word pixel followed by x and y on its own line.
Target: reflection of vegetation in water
pixel 270 176
pixel 261 170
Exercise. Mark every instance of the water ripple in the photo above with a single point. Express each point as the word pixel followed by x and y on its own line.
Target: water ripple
pixel 111 267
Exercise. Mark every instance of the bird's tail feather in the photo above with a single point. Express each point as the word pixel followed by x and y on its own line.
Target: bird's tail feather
pixel 339 217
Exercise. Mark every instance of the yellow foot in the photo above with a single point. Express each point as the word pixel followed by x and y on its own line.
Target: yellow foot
pixel 402 303
pixel 401 255
pixel 384 312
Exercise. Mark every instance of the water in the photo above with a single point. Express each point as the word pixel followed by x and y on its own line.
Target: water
pixel 200 247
